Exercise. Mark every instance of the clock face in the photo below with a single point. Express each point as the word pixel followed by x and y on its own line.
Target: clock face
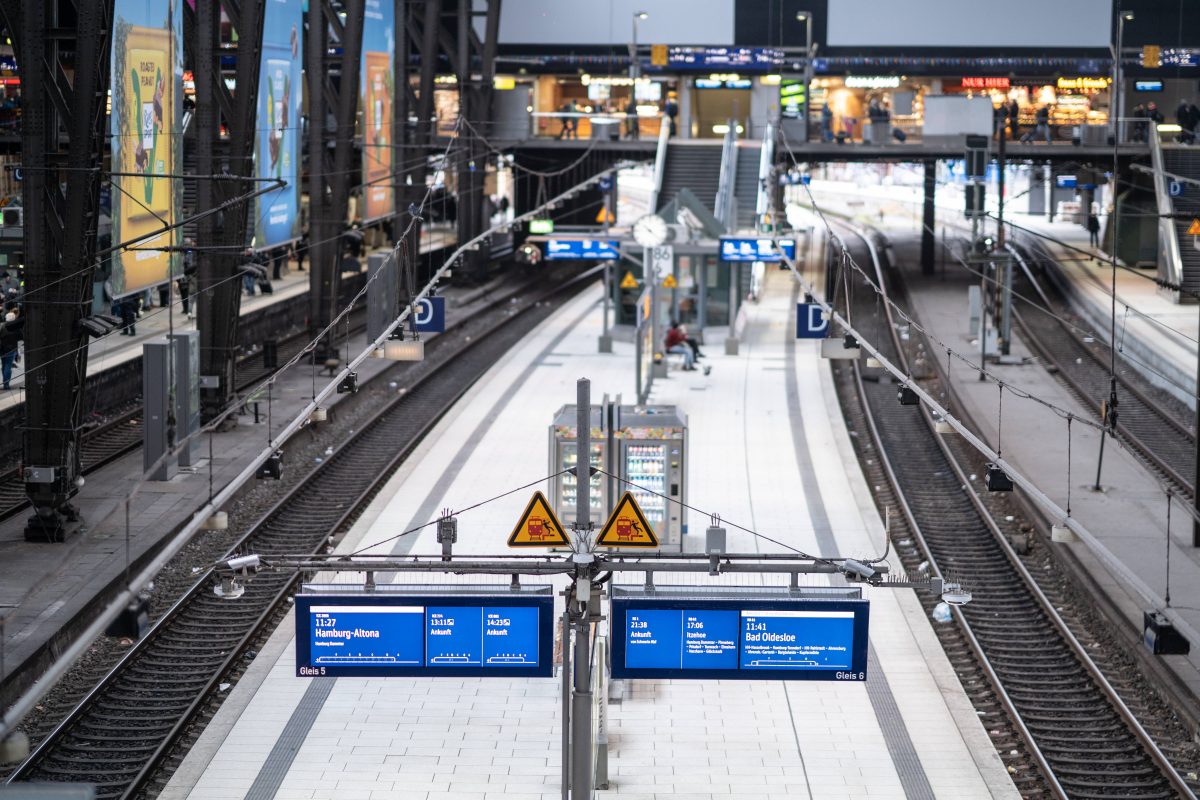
pixel 650 230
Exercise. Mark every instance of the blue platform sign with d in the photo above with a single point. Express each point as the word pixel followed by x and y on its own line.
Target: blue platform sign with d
pixel 429 315
pixel 811 322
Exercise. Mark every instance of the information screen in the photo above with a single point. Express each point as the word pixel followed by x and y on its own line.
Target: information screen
pixel 452 635
pixel 733 249
pixel 577 249
pixel 747 639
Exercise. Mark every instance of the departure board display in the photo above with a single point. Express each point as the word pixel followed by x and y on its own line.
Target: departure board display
pixel 740 638
pixel 735 249
pixel 399 635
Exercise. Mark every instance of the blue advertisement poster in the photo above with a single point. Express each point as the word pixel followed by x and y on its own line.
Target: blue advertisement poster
pixel 147 97
pixel 376 93
pixel 277 130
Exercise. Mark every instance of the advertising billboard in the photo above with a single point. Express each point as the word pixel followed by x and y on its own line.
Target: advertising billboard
pixel 147 88
pixel 277 130
pixel 376 89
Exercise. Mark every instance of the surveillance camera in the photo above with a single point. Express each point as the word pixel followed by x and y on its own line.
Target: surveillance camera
pixel 243 563
pixel 955 595
pixel 856 569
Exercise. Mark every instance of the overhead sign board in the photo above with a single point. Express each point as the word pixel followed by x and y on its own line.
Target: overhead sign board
pixel 745 58
pixel 740 638
pixel 627 527
pixel 429 315
pixel 1147 86
pixel 538 526
pixel 578 249
pixel 386 634
pixel 738 249
pixel 541 226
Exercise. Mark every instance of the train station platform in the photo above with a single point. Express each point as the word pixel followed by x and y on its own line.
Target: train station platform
pixel 1128 517
pixel 115 349
pixel 768 450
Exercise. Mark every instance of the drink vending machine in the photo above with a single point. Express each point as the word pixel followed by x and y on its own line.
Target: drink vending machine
pixel 645 446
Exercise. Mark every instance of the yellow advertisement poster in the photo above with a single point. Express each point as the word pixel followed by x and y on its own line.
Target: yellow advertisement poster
pixel 146 82
pixel 377 150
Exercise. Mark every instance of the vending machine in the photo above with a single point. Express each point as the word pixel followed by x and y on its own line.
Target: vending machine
pixel 564 456
pixel 653 467
pixel 644 447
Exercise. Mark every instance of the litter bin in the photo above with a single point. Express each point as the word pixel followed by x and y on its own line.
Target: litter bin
pixel 606 128
pixel 877 132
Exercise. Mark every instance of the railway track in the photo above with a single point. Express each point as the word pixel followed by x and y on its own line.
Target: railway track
pixel 1150 421
pixel 151 705
pixel 120 431
pixel 1058 723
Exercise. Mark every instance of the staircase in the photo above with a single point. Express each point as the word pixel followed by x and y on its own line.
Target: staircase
pixel 1185 162
pixel 745 186
pixel 695 166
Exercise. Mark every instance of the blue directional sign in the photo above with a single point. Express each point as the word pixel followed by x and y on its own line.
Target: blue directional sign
pixel 736 249
pixel 606 183
pixel 578 249
pixel 439 635
pixel 1175 188
pixel 811 322
pixel 740 638
pixel 429 315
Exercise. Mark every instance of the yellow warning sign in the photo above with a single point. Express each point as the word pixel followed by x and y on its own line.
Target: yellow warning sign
pixel 1194 230
pixel 629 282
pixel 669 282
pixel 538 526
pixel 627 527
pixel 605 215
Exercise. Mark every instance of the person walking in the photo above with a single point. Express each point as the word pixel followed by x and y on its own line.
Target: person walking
pixel 301 248
pixel 1093 226
pixel 11 334
pixel 672 110
pixel 631 120
pixel 184 284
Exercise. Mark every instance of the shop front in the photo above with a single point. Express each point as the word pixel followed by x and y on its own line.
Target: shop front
pixel 573 107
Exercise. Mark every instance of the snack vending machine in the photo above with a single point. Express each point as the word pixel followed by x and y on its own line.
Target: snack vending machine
pixel 645 447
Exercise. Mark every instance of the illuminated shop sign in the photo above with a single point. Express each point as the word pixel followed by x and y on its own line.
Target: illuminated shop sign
pixel 1082 84
pixel 872 81
pixel 986 82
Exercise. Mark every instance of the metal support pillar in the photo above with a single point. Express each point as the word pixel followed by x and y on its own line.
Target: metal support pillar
pixel 333 110
pixel 928 244
pixel 221 237
pixel 475 62
pixel 581 594
pixel 63 127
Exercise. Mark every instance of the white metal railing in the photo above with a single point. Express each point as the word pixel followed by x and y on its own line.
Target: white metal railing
pixel 723 205
pixel 660 162
pixel 1170 260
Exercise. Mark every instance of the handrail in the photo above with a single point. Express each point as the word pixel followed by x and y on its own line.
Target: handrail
pixel 660 161
pixel 723 205
pixel 1170 260
pixel 766 160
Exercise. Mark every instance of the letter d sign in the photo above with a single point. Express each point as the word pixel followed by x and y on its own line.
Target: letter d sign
pixel 810 322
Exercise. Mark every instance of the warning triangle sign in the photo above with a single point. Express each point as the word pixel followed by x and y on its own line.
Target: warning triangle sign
pixel 627 527
pixel 669 282
pixel 1194 230
pixel 605 216
pixel 538 526
pixel 629 282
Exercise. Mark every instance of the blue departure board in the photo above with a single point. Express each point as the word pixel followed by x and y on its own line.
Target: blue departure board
pixel 452 635
pixel 579 249
pixel 799 639
pixel 735 249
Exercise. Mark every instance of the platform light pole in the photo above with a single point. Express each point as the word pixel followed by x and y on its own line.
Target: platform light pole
pixel 1117 104
pixel 635 69
pixel 806 18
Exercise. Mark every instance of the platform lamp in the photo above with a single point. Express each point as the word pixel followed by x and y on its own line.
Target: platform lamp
pixel 635 69
pixel 806 18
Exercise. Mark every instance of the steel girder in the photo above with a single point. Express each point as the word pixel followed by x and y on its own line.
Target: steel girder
pixel 63 53
pixel 221 237
pixel 333 112
pixel 475 64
